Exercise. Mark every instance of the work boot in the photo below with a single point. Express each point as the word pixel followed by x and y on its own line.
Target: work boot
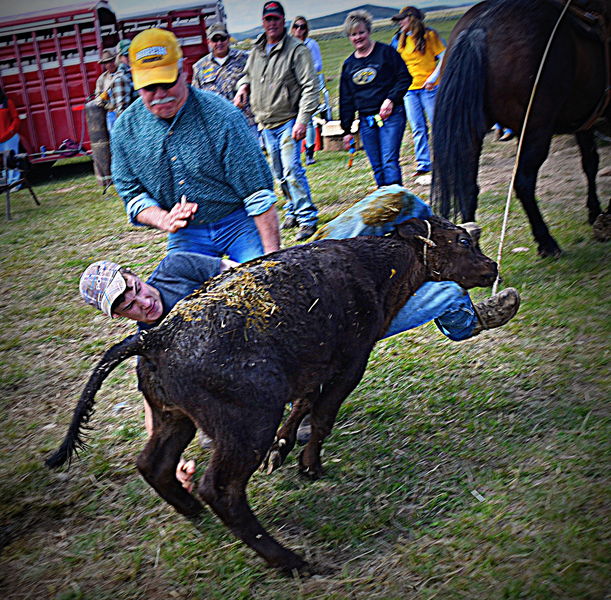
pixel 496 310
pixel 473 229
pixel 310 160
pixel 305 231
pixel 289 222
pixel 304 431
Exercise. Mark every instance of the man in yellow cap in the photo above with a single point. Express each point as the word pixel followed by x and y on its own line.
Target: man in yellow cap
pixel 184 161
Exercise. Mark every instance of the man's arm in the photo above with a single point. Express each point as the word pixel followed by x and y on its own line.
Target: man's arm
pixel 269 230
pixel 307 79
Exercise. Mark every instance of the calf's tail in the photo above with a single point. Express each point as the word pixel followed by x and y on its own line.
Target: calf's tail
pixel 73 442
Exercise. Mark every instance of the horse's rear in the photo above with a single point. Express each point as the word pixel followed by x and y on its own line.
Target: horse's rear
pixel 493 56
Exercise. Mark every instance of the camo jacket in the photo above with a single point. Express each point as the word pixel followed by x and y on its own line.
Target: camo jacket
pixel 222 79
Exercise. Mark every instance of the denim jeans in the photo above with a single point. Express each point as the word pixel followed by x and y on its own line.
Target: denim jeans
pixel 383 145
pixel 12 143
pixel 420 105
pixel 111 117
pixel 235 235
pixel 285 157
pixel 445 302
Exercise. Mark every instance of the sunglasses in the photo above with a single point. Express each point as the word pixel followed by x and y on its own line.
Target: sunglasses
pixel 220 38
pixel 164 86
pixel 300 26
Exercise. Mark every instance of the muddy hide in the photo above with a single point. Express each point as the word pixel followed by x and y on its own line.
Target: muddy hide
pixel 100 143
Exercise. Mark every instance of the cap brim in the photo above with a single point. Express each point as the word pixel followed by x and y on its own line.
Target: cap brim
pixel 113 290
pixel 151 75
pixel 273 14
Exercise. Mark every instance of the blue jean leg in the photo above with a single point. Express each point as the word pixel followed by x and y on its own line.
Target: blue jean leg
pixel 420 105
pixel 235 235
pixel 383 146
pixel 443 301
pixel 310 134
pixel 12 143
pixel 285 156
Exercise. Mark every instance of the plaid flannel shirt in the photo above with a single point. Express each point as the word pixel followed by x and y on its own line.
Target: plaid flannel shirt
pixel 122 90
pixel 222 79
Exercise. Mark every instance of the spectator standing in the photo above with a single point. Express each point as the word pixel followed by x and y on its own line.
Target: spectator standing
pixel 103 85
pixel 122 90
pixel 184 161
pixel 9 133
pixel 373 82
pixel 220 71
pixel 422 50
pixel 300 29
pixel 280 81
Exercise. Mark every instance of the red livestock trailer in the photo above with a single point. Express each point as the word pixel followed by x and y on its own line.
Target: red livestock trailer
pixel 49 65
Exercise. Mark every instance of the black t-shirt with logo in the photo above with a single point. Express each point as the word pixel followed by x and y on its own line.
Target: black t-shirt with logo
pixel 367 82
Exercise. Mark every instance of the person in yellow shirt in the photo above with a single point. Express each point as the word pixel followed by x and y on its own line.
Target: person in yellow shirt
pixel 422 50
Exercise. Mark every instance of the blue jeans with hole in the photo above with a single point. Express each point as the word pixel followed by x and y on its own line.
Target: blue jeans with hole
pixel 383 145
pixel 285 157
pixel 420 106
pixel 235 235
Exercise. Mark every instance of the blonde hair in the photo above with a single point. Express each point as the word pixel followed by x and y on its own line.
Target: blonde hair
pixel 355 18
pixel 300 18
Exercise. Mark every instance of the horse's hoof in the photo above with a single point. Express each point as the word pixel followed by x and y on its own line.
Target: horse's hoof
pixel 552 252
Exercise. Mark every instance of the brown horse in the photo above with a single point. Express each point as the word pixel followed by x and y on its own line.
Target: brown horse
pixel 493 56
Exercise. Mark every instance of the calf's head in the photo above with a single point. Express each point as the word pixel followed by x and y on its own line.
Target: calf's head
pixel 448 252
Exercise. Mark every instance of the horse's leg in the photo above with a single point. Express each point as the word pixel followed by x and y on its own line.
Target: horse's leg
pixel 589 162
pixel 534 152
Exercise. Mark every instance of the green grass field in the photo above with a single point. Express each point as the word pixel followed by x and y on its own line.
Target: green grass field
pixel 455 471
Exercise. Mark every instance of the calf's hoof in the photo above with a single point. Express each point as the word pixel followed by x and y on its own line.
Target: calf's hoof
pixel 275 457
pixel 550 251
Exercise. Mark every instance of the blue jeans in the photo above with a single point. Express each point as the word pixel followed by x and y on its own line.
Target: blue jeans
pixel 285 156
pixel 383 145
pixel 235 235
pixel 12 175
pixel 111 117
pixel 443 301
pixel 420 105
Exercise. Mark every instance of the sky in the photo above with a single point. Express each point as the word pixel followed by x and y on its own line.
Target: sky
pixel 241 14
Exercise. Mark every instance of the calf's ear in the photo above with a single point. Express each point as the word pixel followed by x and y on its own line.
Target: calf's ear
pixel 410 228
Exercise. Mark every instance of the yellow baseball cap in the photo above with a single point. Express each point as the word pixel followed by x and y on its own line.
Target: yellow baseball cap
pixel 153 56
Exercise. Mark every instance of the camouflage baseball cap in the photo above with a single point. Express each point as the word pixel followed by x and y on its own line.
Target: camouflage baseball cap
pixel 101 284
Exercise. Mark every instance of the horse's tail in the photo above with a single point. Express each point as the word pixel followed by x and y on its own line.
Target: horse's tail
pixel 460 124
pixel 73 442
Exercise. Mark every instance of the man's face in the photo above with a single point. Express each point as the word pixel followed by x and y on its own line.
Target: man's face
pixel 164 100
pixel 273 27
pixel 220 45
pixel 110 66
pixel 140 301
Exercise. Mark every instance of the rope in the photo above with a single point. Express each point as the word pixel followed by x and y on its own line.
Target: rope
pixel 518 153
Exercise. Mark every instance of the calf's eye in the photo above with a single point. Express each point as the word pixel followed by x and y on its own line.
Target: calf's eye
pixel 466 242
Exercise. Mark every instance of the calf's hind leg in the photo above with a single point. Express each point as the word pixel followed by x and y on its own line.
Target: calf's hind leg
pixel 241 442
pixel 157 463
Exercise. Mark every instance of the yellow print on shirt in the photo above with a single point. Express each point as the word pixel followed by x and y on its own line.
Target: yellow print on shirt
pixel 363 76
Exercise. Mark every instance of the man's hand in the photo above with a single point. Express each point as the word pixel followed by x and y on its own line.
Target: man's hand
pixel 386 108
pixel 299 131
pixel 185 472
pixel 348 139
pixel 171 221
pixel 178 217
pixel 241 98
